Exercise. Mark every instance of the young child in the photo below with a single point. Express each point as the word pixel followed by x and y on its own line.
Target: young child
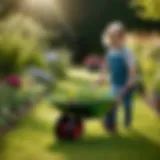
pixel 120 64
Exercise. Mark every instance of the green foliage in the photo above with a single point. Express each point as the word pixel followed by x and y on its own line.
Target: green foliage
pixel 60 66
pixel 14 101
pixel 148 57
pixel 16 54
pixel 10 99
pixel 150 8
pixel 57 69
pixel 6 93
pixel 150 62
pixel 19 47
pixel 156 82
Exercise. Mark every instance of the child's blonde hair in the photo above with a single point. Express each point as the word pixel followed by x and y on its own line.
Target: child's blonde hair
pixel 115 28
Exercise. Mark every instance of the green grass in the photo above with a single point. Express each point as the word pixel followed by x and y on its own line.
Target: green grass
pixel 34 138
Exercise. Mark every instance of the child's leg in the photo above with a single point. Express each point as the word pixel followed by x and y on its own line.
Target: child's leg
pixel 128 109
pixel 111 119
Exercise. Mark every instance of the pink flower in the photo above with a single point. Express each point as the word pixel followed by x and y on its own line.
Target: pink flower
pixel 87 61
pixel 14 81
pixel 93 61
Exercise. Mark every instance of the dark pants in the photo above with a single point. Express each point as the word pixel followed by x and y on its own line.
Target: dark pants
pixel 111 119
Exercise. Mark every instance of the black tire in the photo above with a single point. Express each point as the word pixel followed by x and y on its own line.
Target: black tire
pixel 68 128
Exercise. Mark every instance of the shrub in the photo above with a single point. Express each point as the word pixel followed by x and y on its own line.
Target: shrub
pixel 156 82
pixel 15 101
pixel 59 65
pixel 19 47
pixel 148 56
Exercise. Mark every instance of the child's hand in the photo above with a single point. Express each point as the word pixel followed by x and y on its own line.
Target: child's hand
pixel 99 81
pixel 118 100
pixel 102 80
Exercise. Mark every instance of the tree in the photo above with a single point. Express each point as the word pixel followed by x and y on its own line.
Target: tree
pixel 148 8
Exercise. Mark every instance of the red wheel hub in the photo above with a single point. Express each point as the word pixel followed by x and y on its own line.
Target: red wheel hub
pixel 77 130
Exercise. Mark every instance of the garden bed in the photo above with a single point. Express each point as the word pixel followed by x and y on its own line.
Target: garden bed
pixel 10 123
pixel 15 102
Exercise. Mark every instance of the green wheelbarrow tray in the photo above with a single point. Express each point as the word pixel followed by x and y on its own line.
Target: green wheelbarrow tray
pixel 90 108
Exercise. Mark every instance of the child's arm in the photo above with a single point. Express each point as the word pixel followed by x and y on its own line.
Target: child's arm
pixel 129 84
pixel 131 62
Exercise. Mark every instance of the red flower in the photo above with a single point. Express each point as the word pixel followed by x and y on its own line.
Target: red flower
pixel 14 81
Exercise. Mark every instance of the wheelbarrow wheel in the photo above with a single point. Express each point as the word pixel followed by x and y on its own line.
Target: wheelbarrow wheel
pixel 69 128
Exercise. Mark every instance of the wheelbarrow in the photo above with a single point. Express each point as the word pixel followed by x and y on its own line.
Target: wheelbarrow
pixel 69 126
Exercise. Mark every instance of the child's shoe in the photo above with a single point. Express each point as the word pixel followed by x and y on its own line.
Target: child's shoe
pixel 111 128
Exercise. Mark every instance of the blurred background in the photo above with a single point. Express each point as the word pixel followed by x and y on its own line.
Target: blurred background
pixel 54 46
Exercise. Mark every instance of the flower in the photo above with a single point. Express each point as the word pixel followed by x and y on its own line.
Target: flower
pixel 13 81
pixel 93 60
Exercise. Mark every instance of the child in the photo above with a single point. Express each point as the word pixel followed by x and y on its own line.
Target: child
pixel 120 64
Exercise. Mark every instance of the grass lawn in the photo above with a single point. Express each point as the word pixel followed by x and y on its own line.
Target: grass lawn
pixel 34 138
